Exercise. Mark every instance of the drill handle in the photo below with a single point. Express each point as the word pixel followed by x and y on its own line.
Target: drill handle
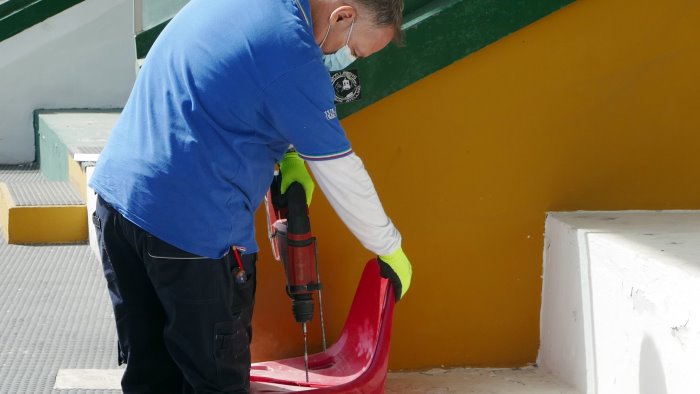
pixel 297 210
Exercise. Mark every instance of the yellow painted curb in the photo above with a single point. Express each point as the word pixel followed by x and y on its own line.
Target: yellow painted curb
pixel 41 224
pixel 77 177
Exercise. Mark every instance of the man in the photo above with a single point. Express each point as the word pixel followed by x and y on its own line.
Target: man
pixel 225 90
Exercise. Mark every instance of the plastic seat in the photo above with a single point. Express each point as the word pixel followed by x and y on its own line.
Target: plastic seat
pixel 356 363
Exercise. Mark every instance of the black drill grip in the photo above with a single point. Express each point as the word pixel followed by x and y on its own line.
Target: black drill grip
pixel 297 210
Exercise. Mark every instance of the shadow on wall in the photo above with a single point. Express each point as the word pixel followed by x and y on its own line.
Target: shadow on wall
pixel 652 379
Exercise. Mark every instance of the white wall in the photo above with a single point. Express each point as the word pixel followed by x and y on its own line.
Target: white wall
pixel 81 58
pixel 620 310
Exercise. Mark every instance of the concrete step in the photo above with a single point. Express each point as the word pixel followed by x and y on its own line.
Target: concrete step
pixel 620 311
pixel 46 202
pixel 42 211
pixel 529 380
pixel 69 141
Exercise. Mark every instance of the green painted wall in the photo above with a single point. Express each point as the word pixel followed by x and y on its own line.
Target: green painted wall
pixel 51 153
pixel 411 6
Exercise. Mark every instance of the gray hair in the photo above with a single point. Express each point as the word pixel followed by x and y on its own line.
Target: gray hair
pixel 386 13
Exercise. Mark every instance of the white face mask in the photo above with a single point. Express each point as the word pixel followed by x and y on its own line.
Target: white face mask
pixel 343 57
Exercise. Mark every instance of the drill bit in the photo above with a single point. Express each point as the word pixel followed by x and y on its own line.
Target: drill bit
pixel 320 295
pixel 306 352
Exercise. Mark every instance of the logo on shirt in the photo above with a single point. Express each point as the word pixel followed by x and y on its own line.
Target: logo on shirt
pixel 330 114
pixel 347 86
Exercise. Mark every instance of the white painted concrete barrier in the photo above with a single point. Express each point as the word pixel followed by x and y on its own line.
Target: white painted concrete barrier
pixel 621 301
pixel 91 203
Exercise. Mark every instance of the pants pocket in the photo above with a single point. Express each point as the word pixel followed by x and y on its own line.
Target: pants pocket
pixel 232 355
pixel 182 276
pixel 108 241
pixel 243 295
pixel 158 249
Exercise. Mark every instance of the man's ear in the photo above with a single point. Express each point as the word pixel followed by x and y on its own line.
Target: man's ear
pixel 342 16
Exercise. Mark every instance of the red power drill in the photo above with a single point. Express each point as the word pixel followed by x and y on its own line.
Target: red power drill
pixel 289 229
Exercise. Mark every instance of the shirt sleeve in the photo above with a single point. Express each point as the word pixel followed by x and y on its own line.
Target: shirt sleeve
pixel 349 189
pixel 300 106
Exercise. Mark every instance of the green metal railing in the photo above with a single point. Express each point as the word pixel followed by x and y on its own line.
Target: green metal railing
pixel 19 15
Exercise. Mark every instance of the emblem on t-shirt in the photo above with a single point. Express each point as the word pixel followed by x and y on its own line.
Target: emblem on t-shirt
pixel 331 114
pixel 347 86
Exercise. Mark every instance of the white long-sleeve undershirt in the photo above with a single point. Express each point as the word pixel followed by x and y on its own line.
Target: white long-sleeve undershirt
pixel 348 187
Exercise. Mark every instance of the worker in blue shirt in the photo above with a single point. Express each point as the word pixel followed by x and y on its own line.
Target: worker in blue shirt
pixel 227 88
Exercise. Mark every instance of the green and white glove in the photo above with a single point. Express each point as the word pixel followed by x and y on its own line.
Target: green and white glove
pixel 293 170
pixel 397 269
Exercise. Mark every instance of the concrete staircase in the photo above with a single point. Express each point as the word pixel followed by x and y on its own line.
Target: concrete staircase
pixel 47 202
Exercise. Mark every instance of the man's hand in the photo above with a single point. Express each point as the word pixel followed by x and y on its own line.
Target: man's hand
pixel 397 269
pixel 294 170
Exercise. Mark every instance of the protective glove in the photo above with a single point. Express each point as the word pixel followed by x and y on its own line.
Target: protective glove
pixel 293 170
pixel 397 269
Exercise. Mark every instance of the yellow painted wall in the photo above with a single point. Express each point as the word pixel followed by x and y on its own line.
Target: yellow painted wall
pixel 596 107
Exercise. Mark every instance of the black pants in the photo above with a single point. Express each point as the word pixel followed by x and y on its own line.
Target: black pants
pixel 183 322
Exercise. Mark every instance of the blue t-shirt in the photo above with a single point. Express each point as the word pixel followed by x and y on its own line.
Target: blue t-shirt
pixel 223 92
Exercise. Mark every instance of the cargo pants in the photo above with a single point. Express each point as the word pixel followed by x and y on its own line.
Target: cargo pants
pixel 183 322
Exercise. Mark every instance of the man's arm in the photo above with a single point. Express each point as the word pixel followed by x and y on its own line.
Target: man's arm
pixel 300 107
pixel 350 191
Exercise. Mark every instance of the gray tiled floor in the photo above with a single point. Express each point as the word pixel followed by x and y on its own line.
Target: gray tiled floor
pixel 20 173
pixel 54 313
pixel 29 187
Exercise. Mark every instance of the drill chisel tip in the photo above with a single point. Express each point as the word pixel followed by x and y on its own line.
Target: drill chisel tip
pixel 306 352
